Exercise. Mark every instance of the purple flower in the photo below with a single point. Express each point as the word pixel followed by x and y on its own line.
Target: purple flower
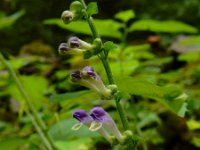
pixel 82 116
pixel 88 71
pixel 85 119
pixel 76 75
pixel 89 78
pixel 103 120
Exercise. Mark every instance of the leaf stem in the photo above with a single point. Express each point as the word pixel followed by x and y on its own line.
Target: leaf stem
pixel 37 121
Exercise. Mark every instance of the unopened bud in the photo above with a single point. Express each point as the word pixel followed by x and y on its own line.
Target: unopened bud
pixel 67 16
pixel 76 6
pixel 63 48
pixel 74 42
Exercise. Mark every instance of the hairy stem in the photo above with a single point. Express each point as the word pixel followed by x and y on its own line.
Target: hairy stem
pixel 36 120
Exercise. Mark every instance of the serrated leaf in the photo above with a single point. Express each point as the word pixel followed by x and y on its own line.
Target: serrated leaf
pixel 103 26
pixel 169 26
pixel 125 15
pixel 92 8
pixel 170 96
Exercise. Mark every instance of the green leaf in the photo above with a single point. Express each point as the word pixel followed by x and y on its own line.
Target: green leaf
pixel 196 141
pixel 63 130
pixel 125 67
pixel 103 26
pixel 193 124
pixel 170 96
pixel 56 98
pixel 35 86
pixel 76 144
pixel 185 44
pixel 125 15
pixel 109 45
pixel 190 56
pixel 92 8
pixel 169 26
pixel 9 20
pixel 12 143
pixel 148 134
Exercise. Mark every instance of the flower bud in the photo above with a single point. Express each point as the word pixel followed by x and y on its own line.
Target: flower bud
pixel 76 6
pixel 76 43
pixel 67 16
pixel 63 49
pixel 75 76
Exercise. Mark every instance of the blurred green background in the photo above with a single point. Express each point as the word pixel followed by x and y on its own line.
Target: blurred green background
pixel 158 46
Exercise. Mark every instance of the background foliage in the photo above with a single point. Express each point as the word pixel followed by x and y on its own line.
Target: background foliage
pixel 157 55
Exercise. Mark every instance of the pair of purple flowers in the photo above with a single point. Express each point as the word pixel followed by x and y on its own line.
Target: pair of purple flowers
pixel 98 120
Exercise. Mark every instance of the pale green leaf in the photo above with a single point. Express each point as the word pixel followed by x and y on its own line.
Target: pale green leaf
pixel 63 130
pixel 125 15
pixel 12 143
pixel 169 26
pixel 107 28
pixel 66 96
pixel 170 96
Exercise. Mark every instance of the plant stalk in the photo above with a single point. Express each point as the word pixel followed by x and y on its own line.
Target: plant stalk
pixel 36 120
pixel 107 69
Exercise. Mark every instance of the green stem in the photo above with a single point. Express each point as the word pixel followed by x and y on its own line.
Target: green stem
pixel 39 130
pixel 106 67
pixel 38 122
pixel 122 116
